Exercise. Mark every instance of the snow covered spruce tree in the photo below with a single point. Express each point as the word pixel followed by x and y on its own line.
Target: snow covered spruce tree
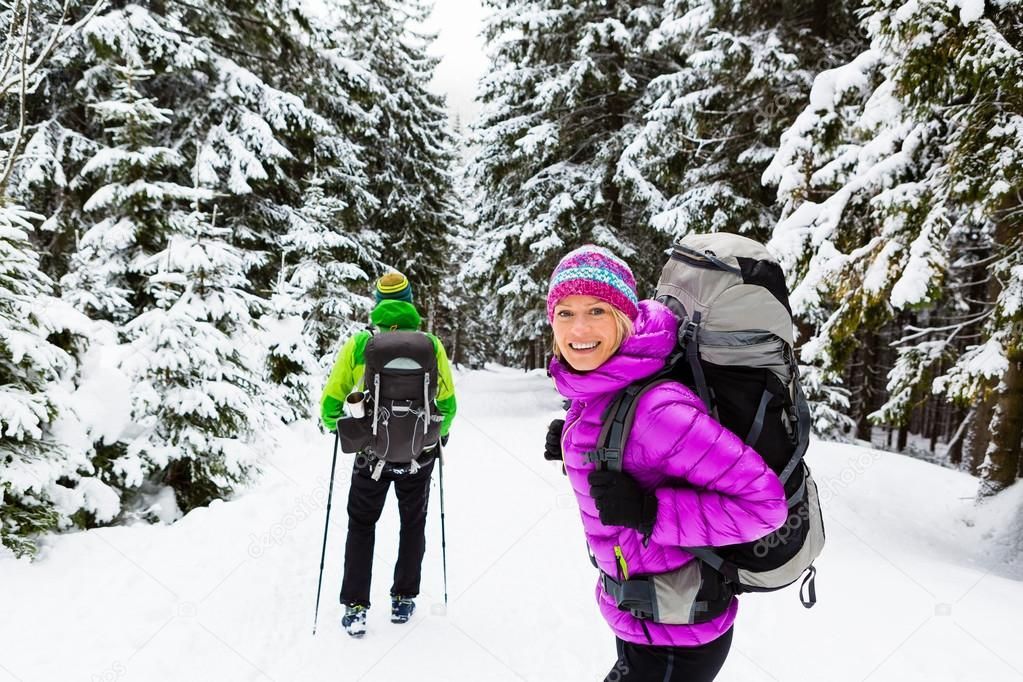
pixel 68 113
pixel 453 312
pixel 303 213
pixel 224 97
pixel 260 92
pixel 557 105
pixel 124 188
pixel 44 484
pixel 279 109
pixel 197 399
pixel 409 148
pixel 291 364
pixel 135 195
pixel 737 73
pixel 901 184
pixel 468 335
pixel 315 303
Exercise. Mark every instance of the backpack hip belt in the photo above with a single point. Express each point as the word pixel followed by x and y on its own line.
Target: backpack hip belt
pixel 688 595
pixel 377 466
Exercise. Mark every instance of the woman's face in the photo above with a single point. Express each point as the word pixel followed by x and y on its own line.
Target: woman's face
pixel 585 330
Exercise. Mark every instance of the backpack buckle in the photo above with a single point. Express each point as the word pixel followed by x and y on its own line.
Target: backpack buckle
pixel 605 455
pixel 687 332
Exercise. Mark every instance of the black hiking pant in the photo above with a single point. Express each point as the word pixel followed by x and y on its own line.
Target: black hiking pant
pixel 642 663
pixel 366 499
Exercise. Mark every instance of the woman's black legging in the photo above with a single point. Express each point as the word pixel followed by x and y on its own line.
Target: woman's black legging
pixel 642 663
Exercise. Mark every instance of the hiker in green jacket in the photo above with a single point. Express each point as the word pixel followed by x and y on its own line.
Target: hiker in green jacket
pixel 371 477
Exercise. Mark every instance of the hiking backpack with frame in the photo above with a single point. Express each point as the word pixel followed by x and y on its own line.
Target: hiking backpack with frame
pixel 400 385
pixel 736 353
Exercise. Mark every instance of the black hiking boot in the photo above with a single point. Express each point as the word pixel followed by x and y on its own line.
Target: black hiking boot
pixel 402 608
pixel 354 620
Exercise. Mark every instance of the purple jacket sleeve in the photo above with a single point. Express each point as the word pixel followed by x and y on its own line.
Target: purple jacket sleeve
pixel 720 491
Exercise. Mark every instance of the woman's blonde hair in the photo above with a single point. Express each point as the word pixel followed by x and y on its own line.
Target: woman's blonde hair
pixel 622 323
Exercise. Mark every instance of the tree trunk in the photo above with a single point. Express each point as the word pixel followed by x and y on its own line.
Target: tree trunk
pixel 1001 463
pixel 821 25
pixel 456 342
pixel 860 384
pixel 955 441
pixel 978 434
pixel 1002 457
pixel 903 438
pixel 932 420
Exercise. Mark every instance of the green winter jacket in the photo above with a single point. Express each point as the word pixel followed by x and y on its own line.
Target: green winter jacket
pixel 389 315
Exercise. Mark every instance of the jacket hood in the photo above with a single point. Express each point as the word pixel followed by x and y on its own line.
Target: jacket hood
pixel 644 353
pixel 395 315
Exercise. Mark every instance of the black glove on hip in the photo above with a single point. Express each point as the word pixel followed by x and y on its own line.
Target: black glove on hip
pixel 621 502
pixel 552 449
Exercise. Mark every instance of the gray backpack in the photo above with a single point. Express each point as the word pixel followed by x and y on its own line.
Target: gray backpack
pixel 736 352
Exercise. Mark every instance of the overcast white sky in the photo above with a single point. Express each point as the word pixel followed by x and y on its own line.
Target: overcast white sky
pixel 460 47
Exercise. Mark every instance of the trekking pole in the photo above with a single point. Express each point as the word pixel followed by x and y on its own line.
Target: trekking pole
pixel 326 525
pixel 443 539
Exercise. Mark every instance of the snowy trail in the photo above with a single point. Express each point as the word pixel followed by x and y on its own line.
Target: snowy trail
pixel 908 589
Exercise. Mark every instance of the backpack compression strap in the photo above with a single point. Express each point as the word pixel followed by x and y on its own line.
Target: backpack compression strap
pixel 710 257
pixel 803 418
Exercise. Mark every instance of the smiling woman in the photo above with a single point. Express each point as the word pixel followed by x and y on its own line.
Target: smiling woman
pixel 681 479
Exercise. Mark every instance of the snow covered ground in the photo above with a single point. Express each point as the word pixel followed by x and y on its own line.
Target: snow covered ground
pixel 915 583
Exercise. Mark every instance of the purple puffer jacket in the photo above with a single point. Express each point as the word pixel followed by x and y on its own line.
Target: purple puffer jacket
pixel 711 488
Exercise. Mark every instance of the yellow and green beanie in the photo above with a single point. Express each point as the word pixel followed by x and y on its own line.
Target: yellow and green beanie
pixel 393 286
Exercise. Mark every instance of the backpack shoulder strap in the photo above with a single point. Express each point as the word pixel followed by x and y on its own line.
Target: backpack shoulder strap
pixel 618 419
pixel 362 338
pixel 689 340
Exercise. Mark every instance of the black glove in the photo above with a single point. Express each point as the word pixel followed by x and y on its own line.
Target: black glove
pixel 552 449
pixel 620 501
pixel 444 439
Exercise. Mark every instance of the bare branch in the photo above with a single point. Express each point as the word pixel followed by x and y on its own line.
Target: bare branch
pixel 10 44
pixel 27 71
pixel 13 155
pixel 57 38
pixel 927 331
